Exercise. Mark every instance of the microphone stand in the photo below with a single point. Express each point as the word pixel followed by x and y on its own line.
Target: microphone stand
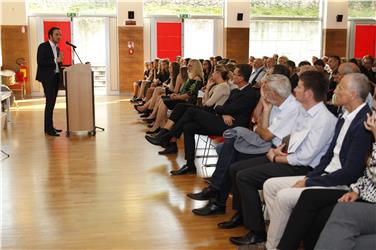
pixel 74 50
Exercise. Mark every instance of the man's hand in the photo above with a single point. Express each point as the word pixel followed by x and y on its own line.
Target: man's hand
pixel 279 150
pixel 59 59
pixel 228 120
pixel 349 197
pixel 300 184
pixel 270 155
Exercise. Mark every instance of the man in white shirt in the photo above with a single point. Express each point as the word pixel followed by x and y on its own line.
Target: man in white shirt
pixel 341 165
pixel 280 111
pixel 309 140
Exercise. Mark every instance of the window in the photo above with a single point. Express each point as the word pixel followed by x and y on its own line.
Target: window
pixel 291 8
pixel 75 6
pixel 362 8
pixel 198 38
pixel 175 7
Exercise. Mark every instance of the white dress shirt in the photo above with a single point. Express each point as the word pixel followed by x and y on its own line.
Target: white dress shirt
pixel 54 50
pixel 283 118
pixel 335 163
pixel 312 135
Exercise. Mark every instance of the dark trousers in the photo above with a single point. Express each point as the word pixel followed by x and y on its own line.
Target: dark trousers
pixel 221 177
pixel 50 91
pixel 179 111
pixel 197 121
pixel 248 178
pixel 309 217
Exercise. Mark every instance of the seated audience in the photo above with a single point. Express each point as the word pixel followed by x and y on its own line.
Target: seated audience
pixel 341 165
pixel 258 71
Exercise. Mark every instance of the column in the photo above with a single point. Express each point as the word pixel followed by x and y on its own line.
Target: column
pixel 131 42
pixel 335 16
pixel 236 30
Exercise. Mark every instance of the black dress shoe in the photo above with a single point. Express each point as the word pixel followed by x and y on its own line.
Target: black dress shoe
pixel 136 108
pixel 184 170
pixel 172 148
pixel 153 132
pixel 52 133
pixel 235 221
pixel 248 239
pixel 210 209
pixel 206 194
pixel 153 140
pixel 58 130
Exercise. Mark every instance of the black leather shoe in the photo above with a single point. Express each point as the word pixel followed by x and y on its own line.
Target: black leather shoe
pixel 206 194
pixel 58 130
pixel 153 140
pixel 235 221
pixel 184 170
pixel 248 239
pixel 210 209
pixel 52 133
pixel 144 115
pixel 153 132
pixel 172 148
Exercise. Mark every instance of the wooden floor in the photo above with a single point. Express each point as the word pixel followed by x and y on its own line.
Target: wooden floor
pixel 111 191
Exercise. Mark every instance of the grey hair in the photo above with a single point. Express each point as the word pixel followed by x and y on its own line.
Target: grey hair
pixel 348 67
pixel 279 84
pixel 360 83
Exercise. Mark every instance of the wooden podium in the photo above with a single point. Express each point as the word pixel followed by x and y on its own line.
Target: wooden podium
pixel 78 80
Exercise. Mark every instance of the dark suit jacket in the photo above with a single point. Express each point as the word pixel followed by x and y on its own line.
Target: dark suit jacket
pixel 355 148
pixel 240 105
pixel 46 64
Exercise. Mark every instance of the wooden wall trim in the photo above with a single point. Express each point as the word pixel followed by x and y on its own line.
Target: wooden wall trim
pixel 131 67
pixel 334 42
pixel 15 44
pixel 237 44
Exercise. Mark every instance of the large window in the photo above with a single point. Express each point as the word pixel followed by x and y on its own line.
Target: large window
pixel 286 27
pixel 76 6
pixel 175 7
pixel 362 8
pixel 295 8
pixel 298 40
pixel 198 38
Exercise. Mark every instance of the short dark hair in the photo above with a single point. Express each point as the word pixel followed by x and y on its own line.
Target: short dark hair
pixel 302 63
pixel 281 69
pixel 218 58
pixel 316 82
pixel 319 62
pixel 291 64
pixel 337 58
pixel 51 31
pixel 244 71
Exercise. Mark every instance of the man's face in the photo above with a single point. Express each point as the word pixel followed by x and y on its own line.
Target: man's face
pixel 56 36
pixel 343 92
pixel 367 63
pixel 236 77
pixel 300 91
pixel 333 64
pixel 270 62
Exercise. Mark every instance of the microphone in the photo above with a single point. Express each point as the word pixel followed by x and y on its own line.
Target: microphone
pixel 68 43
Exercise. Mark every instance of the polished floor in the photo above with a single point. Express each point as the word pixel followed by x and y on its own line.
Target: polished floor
pixel 111 191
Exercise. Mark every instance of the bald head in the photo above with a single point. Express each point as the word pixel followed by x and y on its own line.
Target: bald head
pixel 347 68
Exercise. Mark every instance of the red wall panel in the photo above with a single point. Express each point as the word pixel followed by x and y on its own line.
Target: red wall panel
pixel 365 40
pixel 169 40
pixel 66 35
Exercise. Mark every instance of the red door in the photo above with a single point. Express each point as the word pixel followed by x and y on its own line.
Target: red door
pixel 365 40
pixel 168 40
pixel 66 35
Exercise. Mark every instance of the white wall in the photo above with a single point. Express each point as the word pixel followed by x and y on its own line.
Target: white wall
pixel 124 6
pixel 13 13
pixel 332 8
pixel 232 8
pixel 34 40
pixel 147 39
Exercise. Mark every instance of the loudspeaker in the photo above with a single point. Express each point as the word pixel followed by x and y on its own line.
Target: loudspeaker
pixel 339 18
pixel 130 14
pixel 240 17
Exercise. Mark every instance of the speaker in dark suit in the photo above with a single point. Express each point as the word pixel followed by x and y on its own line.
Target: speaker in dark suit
pixel 48 73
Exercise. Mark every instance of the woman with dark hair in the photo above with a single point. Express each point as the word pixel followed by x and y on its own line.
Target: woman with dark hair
pixel 207 67
pixel 137 84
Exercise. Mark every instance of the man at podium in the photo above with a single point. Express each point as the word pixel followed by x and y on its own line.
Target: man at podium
pixel 49 60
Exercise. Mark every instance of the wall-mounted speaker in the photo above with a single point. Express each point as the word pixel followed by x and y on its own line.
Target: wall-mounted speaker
pixel 239 17
pixel 339 18
pixel 130 14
